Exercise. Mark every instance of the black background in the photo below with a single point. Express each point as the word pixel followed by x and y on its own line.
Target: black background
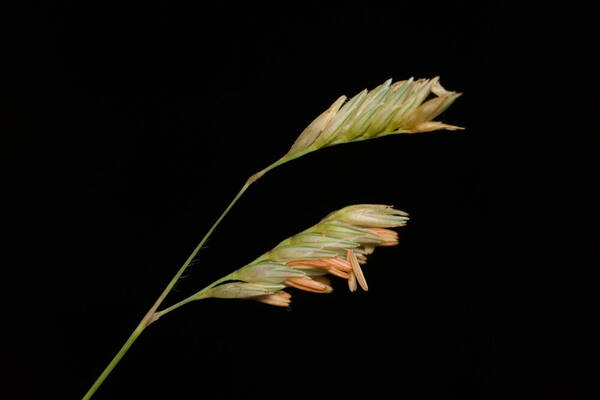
pixel 131 128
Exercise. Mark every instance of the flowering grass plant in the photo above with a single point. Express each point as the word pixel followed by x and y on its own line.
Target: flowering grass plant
pixel 340 243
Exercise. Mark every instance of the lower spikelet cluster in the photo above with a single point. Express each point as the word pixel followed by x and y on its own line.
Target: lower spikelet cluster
pixel 337 245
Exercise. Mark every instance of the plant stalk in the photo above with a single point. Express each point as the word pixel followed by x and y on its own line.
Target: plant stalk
pixel 151 315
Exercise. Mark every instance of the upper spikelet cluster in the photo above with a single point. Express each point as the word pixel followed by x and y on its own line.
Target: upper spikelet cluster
pixel 337 245
pixel 399 107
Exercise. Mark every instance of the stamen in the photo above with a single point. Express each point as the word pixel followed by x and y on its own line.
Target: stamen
pixel 335 266
pixel 337 272
pixel 308 285
pixel 279 299
pixel 338 263
pixel 352 282
pixel 323 279
pixel 356 269
pixel 310 263
pixel 387 235
pixel 381 231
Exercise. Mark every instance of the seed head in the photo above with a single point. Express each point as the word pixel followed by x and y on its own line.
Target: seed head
pixel 390 108
pixel 337 246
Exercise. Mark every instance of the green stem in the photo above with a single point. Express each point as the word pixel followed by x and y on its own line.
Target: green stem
pixel 198 296
pixel 152 315
pixel 134 335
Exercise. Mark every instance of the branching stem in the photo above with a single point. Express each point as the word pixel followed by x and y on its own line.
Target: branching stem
pixel 152 314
